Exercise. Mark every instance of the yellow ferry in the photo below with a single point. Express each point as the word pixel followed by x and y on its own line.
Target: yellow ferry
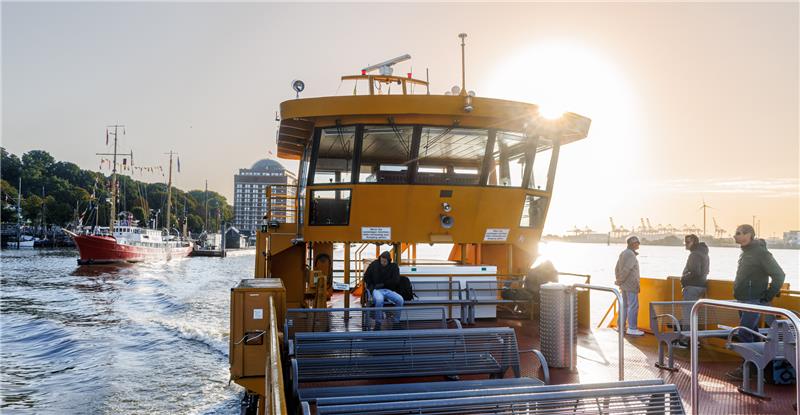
pixel 398 166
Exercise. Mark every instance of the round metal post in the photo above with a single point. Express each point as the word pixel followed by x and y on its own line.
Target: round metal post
pixel 620 322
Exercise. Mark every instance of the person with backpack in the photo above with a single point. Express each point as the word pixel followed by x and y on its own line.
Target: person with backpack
pixel 381 279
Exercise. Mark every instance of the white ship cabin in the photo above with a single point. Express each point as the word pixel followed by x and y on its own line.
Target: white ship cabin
pixel 134 235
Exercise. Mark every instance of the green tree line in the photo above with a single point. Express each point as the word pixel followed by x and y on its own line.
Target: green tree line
pixel 57 192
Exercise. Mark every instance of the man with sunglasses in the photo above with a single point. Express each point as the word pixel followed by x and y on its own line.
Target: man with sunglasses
pixel 752 285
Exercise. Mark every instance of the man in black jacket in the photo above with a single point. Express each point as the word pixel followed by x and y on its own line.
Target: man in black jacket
pixel 381 279
pixel 758 280
pixel 693 279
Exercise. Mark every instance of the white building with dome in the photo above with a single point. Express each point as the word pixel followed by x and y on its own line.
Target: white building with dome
pixel 250 192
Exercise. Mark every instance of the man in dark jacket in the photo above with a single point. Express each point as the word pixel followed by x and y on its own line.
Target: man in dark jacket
pixel 693 279
pixel 381 278
pixel 752 284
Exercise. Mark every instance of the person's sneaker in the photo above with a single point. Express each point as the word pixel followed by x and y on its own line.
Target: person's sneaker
pixel 634 332
pixel 681 344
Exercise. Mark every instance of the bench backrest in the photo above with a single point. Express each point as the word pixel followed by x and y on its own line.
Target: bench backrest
pixel 404 353
pixel 708 317
pixel 301 320
pixel 437 289
pixel 784 332
pixel 646 399
pixel 483 290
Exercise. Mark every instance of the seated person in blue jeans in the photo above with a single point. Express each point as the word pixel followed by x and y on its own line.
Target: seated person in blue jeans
pixel 381 278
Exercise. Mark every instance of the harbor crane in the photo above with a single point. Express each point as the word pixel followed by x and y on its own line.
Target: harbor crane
pixel 718 231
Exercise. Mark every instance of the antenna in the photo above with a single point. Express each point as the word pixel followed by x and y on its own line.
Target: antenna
pixel 385 67
pixel 463 75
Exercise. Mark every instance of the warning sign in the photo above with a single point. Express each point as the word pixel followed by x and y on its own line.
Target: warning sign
pixel 371 233
pixel 496 234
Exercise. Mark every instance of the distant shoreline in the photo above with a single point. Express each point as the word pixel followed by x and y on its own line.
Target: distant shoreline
pixel 668 241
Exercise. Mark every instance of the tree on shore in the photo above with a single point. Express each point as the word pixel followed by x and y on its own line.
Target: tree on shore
pixel 60 190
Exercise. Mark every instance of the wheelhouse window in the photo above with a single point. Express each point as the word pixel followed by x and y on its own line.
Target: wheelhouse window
pixel 541 165
pixel 450 155
pixel 509 159
pixel 334 162
pixel 330 207
pixel 533 212
pixel 385 154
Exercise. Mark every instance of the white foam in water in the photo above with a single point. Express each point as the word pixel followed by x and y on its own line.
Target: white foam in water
pixel 196 331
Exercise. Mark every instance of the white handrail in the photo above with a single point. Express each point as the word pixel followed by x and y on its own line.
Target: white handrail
pixel 620 322
pixel 733 305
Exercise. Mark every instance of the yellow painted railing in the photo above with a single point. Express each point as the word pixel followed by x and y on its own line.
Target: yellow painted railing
pixel 274 393
pixel 669 289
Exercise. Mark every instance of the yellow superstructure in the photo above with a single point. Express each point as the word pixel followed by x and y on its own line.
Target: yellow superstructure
pixel 403 170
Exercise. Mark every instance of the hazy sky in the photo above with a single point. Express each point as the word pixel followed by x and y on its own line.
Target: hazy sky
pixel 689 101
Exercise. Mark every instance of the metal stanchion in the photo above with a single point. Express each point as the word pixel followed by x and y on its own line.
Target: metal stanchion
pixel 733 305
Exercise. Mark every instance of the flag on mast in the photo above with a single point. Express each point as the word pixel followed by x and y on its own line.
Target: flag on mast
pixel 179 164
pixel 106 136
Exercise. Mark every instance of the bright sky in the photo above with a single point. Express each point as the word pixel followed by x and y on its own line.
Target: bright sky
pixel 689 102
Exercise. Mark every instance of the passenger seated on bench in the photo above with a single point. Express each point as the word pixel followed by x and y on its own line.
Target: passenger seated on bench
pixel 381 278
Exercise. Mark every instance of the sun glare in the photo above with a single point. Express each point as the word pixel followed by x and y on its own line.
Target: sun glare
pixel 566 77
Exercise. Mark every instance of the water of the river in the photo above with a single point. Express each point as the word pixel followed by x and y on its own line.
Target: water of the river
pixel 144 338
pixel 153 338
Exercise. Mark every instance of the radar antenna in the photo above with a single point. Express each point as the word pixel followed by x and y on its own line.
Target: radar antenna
pixel 385 68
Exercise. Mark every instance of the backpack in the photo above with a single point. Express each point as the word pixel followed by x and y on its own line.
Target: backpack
pixel 405 289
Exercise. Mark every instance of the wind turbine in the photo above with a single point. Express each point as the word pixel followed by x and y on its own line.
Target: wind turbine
pixel 704 207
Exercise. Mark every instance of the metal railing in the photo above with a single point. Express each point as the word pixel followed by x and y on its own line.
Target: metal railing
pixel 275 402
pixel 283 204
pixel 732 305
pixel 620 322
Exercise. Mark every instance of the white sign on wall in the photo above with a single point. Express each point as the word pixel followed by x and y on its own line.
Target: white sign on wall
pixel 258 313
pixel 496 234
pixel 373 233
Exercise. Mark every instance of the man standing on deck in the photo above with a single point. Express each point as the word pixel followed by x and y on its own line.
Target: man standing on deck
pixel 752 284
pixel 693 279
pixel 627 278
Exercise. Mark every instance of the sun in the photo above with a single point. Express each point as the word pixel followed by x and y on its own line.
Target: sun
pixel 562 76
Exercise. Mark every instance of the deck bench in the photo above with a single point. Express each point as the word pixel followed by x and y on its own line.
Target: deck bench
pixel 303 320
pixel 627 397
pixel 670 323
pixel 778 343
pixel 436 293
pixel 323 357
pixel 487 293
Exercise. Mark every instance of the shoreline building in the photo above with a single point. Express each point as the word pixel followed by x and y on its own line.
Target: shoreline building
pixel 250 192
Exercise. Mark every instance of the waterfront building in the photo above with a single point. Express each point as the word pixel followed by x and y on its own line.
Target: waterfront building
pixel 250 192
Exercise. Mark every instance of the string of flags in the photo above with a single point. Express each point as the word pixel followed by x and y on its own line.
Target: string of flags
pixel 108 164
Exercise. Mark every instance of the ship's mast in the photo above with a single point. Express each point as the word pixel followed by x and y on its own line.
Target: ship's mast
pixel 113 215
pixel 169 191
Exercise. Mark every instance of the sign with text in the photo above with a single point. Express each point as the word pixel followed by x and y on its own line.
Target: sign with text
pixel 373 233
pixel 496 234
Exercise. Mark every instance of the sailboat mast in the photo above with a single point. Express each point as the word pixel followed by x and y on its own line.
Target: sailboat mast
pixel 113 186
pixel 169 192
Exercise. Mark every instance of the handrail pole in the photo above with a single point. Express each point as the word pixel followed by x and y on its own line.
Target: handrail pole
pixel 732 305
pixel 620 322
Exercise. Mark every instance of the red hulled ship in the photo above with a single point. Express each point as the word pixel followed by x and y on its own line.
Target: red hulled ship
pixel 128 244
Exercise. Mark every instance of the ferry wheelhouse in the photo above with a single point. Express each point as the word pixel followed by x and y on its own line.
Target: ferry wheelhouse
pixel 478 174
